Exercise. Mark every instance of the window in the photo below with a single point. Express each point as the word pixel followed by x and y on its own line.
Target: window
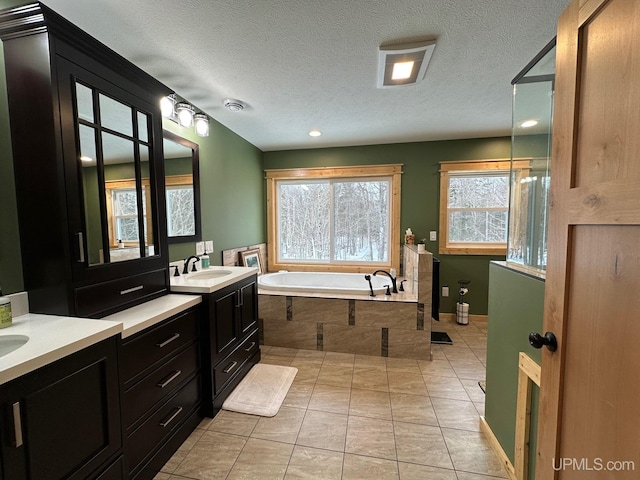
pixel 181 218
pixel 474 205
pixel 335 219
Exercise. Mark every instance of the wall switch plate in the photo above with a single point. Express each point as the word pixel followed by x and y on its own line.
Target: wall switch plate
pixel 209 246
pixel 445 291
pixel 433 236
pixel 199 248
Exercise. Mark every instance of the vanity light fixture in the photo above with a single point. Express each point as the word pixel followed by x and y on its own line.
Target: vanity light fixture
pixel 168 106
pixel 405 64
pixel 185 114
pixel 201 122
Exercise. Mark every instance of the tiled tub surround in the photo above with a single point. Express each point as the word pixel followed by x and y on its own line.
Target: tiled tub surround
pixel 387 326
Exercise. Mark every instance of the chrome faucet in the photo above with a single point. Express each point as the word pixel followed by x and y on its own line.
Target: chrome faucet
pixel 185 269
pixel 393 279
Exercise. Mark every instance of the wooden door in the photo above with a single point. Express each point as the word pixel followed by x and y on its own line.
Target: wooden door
pixel 589 419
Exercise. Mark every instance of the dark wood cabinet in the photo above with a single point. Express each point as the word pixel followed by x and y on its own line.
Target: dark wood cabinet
pixel 231 333
pixel 63 420
pixel 161 391
pixel 86 133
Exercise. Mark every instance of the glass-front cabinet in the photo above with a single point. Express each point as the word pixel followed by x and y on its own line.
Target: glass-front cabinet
pixel 532 116
pixel 86 137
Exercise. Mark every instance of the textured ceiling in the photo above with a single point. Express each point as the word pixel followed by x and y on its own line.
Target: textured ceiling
pixel 303 64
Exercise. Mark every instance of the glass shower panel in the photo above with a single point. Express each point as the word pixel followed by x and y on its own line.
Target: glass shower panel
pixel 530 163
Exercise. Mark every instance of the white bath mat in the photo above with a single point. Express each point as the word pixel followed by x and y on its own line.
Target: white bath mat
pixel 262 390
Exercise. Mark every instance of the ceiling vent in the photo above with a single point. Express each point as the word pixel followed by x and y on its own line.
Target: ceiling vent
pixel 233 105
pixel 405 64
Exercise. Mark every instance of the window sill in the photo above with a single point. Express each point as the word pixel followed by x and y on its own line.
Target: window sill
pixel 473 249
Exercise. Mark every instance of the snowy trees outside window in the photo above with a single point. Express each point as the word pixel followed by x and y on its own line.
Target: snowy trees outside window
pixel 474 207
pixel 334 220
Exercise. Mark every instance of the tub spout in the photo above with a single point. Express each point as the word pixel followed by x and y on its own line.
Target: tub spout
pixel 393 279
pixel 368 279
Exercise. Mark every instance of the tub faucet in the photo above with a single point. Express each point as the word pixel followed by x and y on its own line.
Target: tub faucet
pixel 368 279
pixel 393 279
pixel 185 269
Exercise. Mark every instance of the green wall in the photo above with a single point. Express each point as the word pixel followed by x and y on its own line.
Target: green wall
pixel 231 191
pixel 516 303
pixel 420 196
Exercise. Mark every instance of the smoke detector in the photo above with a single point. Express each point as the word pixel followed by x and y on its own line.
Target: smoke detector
pixel 233 105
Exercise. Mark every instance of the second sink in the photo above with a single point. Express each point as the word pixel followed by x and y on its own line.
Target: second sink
pixel 207 275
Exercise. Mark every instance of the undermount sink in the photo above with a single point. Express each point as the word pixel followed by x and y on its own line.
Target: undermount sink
pixel 210 275
pixel 9 343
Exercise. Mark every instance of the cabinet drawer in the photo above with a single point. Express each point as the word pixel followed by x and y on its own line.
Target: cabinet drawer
pixel 159 384
pixel 227 368
pixel 107 297
pixel 157 343
pixel 162 423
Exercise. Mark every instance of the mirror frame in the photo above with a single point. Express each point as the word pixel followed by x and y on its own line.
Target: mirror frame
pixel 195 167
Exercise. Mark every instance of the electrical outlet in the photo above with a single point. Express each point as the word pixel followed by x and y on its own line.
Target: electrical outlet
pixel 433 236
pixel 199 248
pixel 445 291
pixel 209 246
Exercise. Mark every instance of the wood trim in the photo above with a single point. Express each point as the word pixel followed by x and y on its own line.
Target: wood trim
pixel 497 448
pixel 335 172
pixel 451 318
pixel 558 240
pixel 444 246
pixel 172 180
pixel 394 171
pixel 528 373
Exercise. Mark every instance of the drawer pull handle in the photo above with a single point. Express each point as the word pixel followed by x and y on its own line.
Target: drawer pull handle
pixel 173 337
pixel 170 379
pixel 248 349
pixel 176 412
pixel 131 290
pixel 230 367
pixel 17 425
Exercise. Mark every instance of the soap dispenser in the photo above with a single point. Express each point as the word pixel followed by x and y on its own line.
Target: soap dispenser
pixel 5 311
pixel 204 260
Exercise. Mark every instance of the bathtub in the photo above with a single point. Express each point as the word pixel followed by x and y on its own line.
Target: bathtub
pixel 323 282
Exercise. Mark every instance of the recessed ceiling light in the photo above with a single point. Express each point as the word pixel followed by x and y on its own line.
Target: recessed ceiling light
pixel 402 70
pixel 84 158
pixel 315 133
pixel 529 123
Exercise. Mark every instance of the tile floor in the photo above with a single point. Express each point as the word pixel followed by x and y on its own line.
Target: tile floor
pixel 357 417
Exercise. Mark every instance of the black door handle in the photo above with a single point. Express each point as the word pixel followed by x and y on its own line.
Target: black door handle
pixel 549 340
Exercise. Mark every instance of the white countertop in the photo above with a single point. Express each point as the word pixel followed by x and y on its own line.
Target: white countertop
pixel 136 319
pixel 190 283
pixel 50 338
pixel 54 337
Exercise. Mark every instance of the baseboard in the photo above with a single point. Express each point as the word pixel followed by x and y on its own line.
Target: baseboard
pixel 495 445
pixel 451 318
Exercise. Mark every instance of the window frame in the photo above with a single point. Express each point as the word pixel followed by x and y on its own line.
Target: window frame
pixel 273 176
pixel 468 167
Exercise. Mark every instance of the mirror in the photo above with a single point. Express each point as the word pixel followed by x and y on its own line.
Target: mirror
pixel 182 180
pixel 114 161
